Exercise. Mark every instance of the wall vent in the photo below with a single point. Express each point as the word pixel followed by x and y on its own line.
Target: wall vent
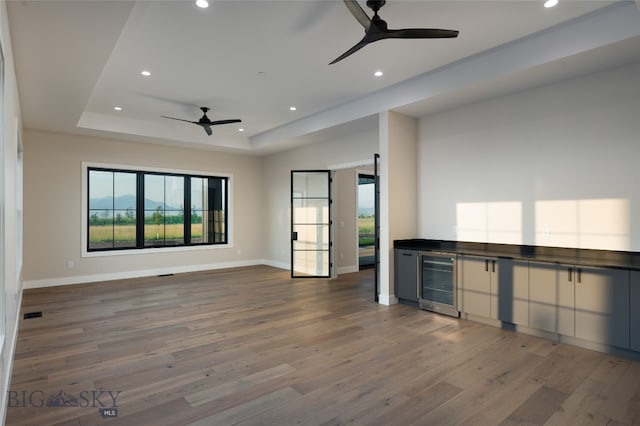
pixel 32 315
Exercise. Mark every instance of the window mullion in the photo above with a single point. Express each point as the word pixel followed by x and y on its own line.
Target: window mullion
pixel 140 210
pixel 113 210
pixel 187 210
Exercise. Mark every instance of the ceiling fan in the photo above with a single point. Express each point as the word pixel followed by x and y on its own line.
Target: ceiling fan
pixel 205 122
pixel 376 29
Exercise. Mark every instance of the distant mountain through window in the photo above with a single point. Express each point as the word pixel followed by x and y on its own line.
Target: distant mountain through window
pixel 125 202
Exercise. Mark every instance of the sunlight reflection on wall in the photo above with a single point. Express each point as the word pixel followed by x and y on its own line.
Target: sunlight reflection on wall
pixel 595 224
pixel 491 222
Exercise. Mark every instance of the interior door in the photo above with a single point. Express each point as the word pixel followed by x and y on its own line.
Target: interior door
pixel 310 223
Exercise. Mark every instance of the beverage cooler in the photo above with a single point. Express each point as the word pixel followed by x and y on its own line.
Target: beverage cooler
pixel 437 285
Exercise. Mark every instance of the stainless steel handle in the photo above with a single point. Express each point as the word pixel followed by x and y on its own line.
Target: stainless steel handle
pixel 486 265
pixel 579 275
pixel 407 254
pixel 570 274
pixel 493 266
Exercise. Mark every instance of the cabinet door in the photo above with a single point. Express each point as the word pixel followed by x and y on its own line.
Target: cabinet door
pixel 474 285
pixel 602 305
pixel 634 314
pixel 551 298
pixel 510 292
pixel 406 270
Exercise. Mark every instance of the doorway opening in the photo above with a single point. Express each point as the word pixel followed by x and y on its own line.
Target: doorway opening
pixel 366 221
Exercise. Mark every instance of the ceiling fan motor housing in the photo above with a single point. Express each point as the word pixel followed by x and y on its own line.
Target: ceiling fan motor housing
pixel 375 4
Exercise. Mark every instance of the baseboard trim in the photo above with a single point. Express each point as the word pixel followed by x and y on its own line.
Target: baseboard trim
pixel 388 300
pixel 347 269
pixel 83 279
pixel 279 265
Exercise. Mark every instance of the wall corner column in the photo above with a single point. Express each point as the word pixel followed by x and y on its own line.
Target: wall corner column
pixel 398 192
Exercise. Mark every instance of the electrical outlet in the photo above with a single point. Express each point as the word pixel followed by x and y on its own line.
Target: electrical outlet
pixel 70 264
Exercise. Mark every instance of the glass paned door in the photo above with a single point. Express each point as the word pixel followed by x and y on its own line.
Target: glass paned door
pixel 310 223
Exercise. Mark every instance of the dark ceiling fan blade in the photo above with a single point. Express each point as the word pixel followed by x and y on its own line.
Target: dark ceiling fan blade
pixel 234 120
pixel 179 119
pixel 376 28
pixel 420 33
pixel 207 129
pixel 362 43
pixel 205 122
pixel 358 13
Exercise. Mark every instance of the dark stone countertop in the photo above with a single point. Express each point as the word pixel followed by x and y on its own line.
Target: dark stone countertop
pixel 568 256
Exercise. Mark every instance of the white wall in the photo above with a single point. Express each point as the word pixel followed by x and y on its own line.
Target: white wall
pixel 277 186
pixel 53 209
pixel 555 165
pixel 10 281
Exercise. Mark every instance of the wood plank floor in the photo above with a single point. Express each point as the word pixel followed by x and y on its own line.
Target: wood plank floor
pixel 251 346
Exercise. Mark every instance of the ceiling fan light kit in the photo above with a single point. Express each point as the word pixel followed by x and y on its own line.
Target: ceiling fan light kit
pixel 375 28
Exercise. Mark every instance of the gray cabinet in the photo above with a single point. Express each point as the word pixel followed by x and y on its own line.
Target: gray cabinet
pixel 585 302
pixel 551 298
pixel 474 284
pixel 510 291
pixel 406 274
pixel 634 304
pixel 602 305
pixel 494 288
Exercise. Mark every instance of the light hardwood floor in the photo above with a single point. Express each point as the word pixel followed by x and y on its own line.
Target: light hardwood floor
pixel 251 346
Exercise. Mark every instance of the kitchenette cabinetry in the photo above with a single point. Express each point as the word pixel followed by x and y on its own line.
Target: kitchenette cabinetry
pixel 512 291
pixel 406 272
pixel 494 288
pixel 590 300
pixel 551 298
pixel 584 302
pixel 634 314
pixel 474 285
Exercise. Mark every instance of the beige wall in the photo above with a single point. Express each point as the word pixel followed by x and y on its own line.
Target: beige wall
pixel 398 192
pixel 53 208
pixel 345 223
pixel 343 149
pixel 346 219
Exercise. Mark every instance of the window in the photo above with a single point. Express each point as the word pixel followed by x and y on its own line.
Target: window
pixel 129 209
pixel 112 209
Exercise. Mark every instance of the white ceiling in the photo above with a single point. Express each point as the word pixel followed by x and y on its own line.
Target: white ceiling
pixel 76 60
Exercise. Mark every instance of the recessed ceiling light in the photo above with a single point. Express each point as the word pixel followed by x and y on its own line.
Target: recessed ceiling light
pixel 241 130
pixel 202 4
pixel 550 3
pixel 117 108
pixel 378 73
pixel 145 73
pixel 292 108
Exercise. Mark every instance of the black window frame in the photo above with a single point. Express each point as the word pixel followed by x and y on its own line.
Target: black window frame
pixel 140 209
